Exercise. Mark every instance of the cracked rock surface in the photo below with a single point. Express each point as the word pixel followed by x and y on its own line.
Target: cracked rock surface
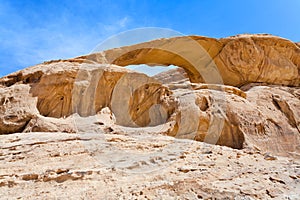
pixel 138 165
pixel 89 128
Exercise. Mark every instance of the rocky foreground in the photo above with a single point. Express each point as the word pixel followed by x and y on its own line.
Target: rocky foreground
pixel 138 165
pixel 226 124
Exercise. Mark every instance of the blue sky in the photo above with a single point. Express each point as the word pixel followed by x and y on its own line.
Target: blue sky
pixel 38 30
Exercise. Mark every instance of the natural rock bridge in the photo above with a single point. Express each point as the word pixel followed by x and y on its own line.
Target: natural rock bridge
pixel 242 90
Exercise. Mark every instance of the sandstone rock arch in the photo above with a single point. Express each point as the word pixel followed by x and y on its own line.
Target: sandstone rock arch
pixel 240 59
pixel 46 93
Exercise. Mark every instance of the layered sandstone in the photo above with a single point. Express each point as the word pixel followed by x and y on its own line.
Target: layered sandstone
pixel 240 59
pixel 138 165
pixel 110 126
pixel 261 114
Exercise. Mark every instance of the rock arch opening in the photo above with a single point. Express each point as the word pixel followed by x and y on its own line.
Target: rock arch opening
pixel 152 70
pixel 184 52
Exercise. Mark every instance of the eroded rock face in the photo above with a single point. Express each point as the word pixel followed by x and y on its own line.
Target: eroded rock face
pixel 228 116
pixel 67 87
pixel 262 115
pixel 240 59
pixel 147 166
pixel 17 107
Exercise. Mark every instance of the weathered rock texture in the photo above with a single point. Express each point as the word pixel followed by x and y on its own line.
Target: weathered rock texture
pixel 241 92
pixel 138 165
pixel 240 59
pixel 60 89
pixel 263 113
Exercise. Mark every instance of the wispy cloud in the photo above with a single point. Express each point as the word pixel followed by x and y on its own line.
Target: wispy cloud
pixel 62 36
pixel 123 22
pixel 116 26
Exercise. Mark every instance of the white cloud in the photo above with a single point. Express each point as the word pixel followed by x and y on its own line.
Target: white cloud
pixel 25 42
pixel 117 26
pixel 123 22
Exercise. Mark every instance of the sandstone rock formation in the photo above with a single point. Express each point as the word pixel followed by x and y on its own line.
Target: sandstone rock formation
pixel 240 59
pixel 241 92
pixel 138 165
pixel 65 88
pixel 225 115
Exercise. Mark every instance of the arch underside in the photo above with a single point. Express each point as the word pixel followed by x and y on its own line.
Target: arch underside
pixel 232 61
